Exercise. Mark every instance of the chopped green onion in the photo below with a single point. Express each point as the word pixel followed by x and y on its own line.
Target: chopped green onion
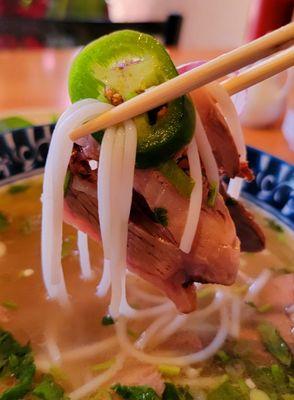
pixel 212 193
pixel 67 246
pixel 223 356
pixel 66 182
pixel 101 394
pixel 9 304
pixel 160 216
pixel 103 366
pixel 176 176
pixel 169 370
pixel 261 309
pixel 107 320
pixel 203 293
pixel 274 343
pixel 19 188
pixel 132 333
pixel 4 223
pixel 265 308
pixel 58 374
pixel 241 289
pixel 47 389
pixel 274 225
pixel 256 394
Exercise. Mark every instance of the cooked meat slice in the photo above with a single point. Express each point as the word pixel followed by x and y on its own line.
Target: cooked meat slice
pixel 153 250
pixel 218 132
pixel 248 231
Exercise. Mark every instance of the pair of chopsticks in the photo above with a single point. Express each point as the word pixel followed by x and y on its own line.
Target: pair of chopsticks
pixel 218 67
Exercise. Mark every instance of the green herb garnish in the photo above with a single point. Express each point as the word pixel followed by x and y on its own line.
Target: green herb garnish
pixel 136 392
pixel 228 391
pixel 176 176
pixel 264 308
pixel 275 344
pixel 223 356
pixel 169 370
pixel 160 216
pixel 19 188
pixel 103 366
pixel 66 182
pixel 9 123
pixel 18 361
pixel 67 246
pixel 4 223
pixel 10 305
pixel 212 193
pixel 173 392
pixel 107 320
pixel 274 225
pixel 48 389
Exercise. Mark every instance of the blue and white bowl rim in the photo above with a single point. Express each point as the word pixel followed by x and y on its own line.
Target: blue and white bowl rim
pixel 23 153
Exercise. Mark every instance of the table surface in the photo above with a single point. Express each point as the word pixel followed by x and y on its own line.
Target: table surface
pixel 36 81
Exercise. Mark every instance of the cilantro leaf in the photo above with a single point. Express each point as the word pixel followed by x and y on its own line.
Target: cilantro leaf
pixel 172 392
pixel 47 389
pixel 227 391
pixel 135 392
pixel 275 344
pixel 4 223
pixel 18 361
pixel 19 188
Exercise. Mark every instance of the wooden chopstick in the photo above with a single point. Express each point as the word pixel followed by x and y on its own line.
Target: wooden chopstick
pixel 260 72
pixel 176 87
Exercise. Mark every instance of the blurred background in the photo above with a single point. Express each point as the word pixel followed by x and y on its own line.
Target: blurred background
pixel 39 38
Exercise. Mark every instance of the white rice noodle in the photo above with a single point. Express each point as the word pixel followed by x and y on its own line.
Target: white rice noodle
pixel 214 306
pixel 195 198
pixel 114 188
pixel 52 213
pixel 169 329
pixel 84 255
pixel 89 350
pixel 151 311
pixel 151 331
pixel 206 154
pixel 95 383
pixel 229 112
pixel 105 282
pixel 192 358
pixel 257 285
pixel 53 349
pixel 235 317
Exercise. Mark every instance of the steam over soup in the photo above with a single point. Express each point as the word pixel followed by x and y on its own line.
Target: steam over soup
pixel 80 351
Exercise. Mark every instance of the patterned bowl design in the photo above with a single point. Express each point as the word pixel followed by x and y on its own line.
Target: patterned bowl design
pixel 23 153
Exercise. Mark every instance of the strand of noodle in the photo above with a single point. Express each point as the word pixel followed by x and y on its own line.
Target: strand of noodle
pixel 151 311
pixel 201 355
pixel 195 198
pixel 169 330
pixel 206 154
pixel 95 383
pixel 116 255
pixel 52 198
pixel 53 349
pixel 152 329
pixel 84 255
pixel 229 112
pixel 103 195
pixel 257 285
pixel 235 316
pixel 105 281
pixel 246 278
pixel 152 298
pixel 214 306
pixel 89 350
pixel 127 183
